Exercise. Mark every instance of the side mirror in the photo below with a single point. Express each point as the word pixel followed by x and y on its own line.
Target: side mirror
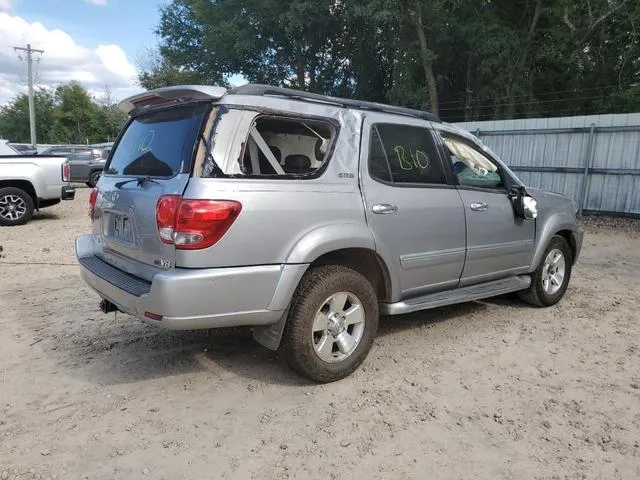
pixel 530 207
pixel 524 206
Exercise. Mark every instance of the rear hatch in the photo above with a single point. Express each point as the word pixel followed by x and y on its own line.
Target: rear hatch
pixel 152 158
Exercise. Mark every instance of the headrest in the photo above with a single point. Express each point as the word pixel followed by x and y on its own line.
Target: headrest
pixel 276 152
pixel 297 162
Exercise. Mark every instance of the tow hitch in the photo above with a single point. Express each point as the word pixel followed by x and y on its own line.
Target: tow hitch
pixel 107 307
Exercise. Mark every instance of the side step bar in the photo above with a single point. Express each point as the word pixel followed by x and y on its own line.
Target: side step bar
pixel 459 295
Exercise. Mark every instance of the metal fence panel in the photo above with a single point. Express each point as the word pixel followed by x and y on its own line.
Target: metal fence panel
pixel 594 159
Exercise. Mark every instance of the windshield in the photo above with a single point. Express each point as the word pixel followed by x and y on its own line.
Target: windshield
pixel 159 144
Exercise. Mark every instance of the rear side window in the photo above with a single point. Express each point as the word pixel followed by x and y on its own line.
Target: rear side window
pixel 59 151
pixel 241 142
pixel 404 154
pixel 286 146
pixel 159 144
pixel 82 155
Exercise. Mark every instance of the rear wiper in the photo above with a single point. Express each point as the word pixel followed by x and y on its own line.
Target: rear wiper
pixel 142 181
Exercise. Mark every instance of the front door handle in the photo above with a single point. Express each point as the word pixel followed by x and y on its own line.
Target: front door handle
pixel 384 209
pixel 479 206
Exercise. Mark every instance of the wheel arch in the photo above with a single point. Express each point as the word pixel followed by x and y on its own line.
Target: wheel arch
pixel 347 245
pixel 366 262
pixel 24 185
pixel 560 224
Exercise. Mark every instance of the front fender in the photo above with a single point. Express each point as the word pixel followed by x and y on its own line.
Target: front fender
pixel 551 226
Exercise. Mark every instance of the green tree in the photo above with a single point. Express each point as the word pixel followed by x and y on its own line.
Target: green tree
pixel 76 116
pixel 471 59
pixel 109 118
pixel 14 117
pixel 157 71
pixel 67 114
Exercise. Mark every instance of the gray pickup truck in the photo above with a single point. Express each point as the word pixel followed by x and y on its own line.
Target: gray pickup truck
pixel 307 217
pixel 29 183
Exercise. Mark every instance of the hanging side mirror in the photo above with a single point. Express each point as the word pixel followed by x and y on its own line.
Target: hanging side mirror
pixel 530 207
pixel 524 206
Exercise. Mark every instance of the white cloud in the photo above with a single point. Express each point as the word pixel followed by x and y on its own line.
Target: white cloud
pixel 101 3
pixel 6 5
pixel 63 60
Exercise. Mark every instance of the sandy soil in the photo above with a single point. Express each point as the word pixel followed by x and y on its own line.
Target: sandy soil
pixel 486 390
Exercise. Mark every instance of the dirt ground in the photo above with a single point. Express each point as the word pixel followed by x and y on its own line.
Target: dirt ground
pixel 484 390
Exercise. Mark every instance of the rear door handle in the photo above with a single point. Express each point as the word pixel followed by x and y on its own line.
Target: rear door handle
pixel 479 206
pixel 384 209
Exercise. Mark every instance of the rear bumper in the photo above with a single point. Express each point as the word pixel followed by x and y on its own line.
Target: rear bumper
pixel 189 299
pixel 68 192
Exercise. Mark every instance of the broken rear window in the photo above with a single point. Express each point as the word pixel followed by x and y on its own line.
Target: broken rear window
pixel 246 143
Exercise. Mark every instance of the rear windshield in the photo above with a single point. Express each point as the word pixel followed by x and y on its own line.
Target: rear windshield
pixel 159 144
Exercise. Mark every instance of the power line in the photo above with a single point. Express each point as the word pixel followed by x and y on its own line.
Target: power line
pixel 525 115
pixel 532 102
pixel 32 115
pixel 554 92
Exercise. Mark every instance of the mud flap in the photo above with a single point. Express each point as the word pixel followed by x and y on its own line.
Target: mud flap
pixel 270 336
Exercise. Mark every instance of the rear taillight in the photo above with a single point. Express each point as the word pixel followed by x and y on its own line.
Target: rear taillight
pixel 93 197
pixel 194 224
pixel 166 210
pixel 66 172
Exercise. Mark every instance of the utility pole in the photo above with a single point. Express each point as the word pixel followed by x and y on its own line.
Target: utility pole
pixel 32 113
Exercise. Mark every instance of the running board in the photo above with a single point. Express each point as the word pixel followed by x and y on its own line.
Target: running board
pixel 459 295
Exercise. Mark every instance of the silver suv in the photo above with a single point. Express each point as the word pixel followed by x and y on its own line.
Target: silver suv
pixel 307 217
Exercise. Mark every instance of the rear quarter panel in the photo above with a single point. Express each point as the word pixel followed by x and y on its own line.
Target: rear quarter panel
pixel 282 221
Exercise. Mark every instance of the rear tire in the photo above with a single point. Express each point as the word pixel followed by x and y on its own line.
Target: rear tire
pixel 550 280
pixel 331 325
pixel 93 179
pixel 16 207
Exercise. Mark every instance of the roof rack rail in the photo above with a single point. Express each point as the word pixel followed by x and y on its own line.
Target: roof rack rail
pixel 266 90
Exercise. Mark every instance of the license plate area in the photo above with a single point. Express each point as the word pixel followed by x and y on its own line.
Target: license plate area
pixel 120 228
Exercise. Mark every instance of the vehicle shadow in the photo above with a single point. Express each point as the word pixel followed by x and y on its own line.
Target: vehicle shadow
pixel 44 215
pixel 390 325
pixel 154 353
pixel 125 351
pixel 151 353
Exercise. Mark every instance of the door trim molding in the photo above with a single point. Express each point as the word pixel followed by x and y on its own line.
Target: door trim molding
pixel 499 249
pixel 430 259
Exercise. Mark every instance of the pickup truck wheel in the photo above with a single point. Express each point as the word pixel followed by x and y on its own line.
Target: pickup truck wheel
pixel 550 280
pixel 16 207
pixel 332 323
pixel 93 179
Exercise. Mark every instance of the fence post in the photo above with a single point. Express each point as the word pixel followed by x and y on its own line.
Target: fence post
pixel 587 163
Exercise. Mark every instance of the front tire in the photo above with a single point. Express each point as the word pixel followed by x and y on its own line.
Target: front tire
pixel 16 207
pixel 550 280
pixel 331 325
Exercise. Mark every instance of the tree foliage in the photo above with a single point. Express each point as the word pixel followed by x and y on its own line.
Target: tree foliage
pixel 65 115
pixel 466 59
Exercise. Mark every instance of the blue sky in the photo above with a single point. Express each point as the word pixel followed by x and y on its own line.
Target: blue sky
pixel 95 42
pixel 127 23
